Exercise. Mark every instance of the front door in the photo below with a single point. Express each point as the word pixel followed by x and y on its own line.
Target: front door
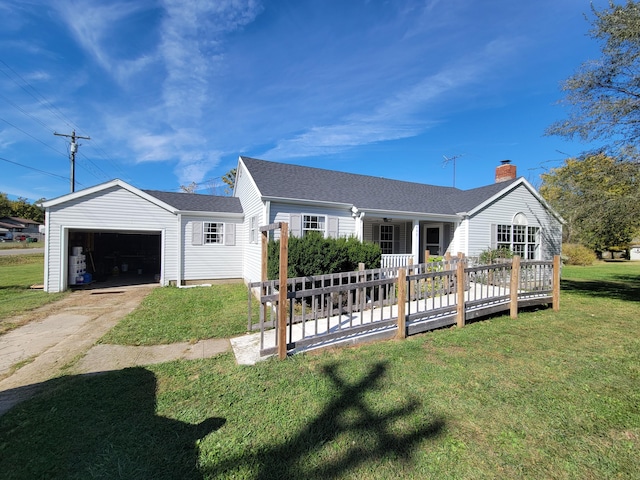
pixel 433 239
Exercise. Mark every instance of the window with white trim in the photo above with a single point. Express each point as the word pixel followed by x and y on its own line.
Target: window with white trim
pixel 213 233
pixel 386 239
pixel 519 238
pixel 313 223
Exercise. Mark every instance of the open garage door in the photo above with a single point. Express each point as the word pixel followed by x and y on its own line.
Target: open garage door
pixel 115 258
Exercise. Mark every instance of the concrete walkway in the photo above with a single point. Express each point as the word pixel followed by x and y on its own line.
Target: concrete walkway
pixel 63 342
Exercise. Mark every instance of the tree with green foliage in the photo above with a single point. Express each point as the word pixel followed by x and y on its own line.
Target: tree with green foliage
pixel 603 96
pixel 21 208
pixel 229 180
pixel 599 197
pixel 5 206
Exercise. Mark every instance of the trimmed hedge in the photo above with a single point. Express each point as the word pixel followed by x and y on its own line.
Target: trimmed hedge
pixel 315 255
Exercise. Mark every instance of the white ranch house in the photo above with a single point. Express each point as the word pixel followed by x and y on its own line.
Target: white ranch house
pixel 183 238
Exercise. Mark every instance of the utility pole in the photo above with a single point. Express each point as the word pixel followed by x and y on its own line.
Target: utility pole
pixel 72 154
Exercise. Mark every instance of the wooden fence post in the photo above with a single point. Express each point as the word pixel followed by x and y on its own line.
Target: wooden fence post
pixel 513 287
pixel 402 301
pixel 427 253
pixel 360 278
pixel 264 270
pixel 460 308
pixel 282 294
pixel 556 282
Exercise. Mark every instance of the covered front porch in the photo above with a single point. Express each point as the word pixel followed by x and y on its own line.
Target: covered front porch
pixel 405 241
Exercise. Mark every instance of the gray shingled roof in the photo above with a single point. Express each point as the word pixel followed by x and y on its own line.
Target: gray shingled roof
pixel 282 180
pixel 193 202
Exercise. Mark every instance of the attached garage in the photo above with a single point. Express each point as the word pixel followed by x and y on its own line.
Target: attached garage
pixel 115 232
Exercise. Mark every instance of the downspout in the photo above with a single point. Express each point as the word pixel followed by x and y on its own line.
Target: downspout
pixel 267 211
pixel 47 223
pixel 179 262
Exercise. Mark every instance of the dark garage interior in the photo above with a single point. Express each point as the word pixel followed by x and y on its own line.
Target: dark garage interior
pixel 118 258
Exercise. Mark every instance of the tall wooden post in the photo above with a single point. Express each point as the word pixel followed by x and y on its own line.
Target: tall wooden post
pixel 402 302
pixel 264 271
pixel 282 297
pixel 460 308
pixel 556 283
pixel 265 260
pixel 360 279
pixel 513 286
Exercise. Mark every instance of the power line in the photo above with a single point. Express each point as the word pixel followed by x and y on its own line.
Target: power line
pixel 33 168
pixel 24 112
pixel 42 100
pixel 36 139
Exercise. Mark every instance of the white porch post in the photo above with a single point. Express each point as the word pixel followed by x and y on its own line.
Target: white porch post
pixel 415 241
pixel 358 224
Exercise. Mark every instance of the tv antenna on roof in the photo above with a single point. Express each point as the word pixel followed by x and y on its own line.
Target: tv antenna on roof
pixel 446 162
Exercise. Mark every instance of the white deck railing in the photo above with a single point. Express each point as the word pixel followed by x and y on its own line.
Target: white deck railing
pixel 396 260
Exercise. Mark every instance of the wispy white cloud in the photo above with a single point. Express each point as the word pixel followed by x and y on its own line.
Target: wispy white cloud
pixel 189 52
pixel 91 23
pixel 403 114
pixel 192 51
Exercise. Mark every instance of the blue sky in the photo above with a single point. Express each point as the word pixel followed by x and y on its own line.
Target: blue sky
pixel 172 92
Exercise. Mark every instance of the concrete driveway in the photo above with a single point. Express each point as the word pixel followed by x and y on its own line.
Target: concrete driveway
pixel 62 341
pixel 47 347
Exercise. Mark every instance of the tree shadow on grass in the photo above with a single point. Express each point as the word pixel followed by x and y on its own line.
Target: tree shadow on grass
pixel 99 426
pixel 625 287
pixel 299 456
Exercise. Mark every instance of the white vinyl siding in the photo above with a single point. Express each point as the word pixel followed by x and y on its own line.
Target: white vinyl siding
pixel 253 207
pixel 218 255
pixel 482 236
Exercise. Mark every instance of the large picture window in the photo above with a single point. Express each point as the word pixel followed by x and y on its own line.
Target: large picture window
pixel 519 238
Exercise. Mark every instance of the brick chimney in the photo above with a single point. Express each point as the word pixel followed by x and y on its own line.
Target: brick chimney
pixel 505 171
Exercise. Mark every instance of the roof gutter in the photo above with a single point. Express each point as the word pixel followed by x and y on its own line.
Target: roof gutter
pixel 303 201
pixel 410 215
pixel 200 213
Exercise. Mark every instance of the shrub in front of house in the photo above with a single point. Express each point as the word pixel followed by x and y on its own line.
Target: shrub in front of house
pixel 315 255
pixel 575 254
pixel 494 255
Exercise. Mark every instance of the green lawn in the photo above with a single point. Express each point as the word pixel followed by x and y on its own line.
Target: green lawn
pixel 169 315
pixel 17 274
pixel 549 395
